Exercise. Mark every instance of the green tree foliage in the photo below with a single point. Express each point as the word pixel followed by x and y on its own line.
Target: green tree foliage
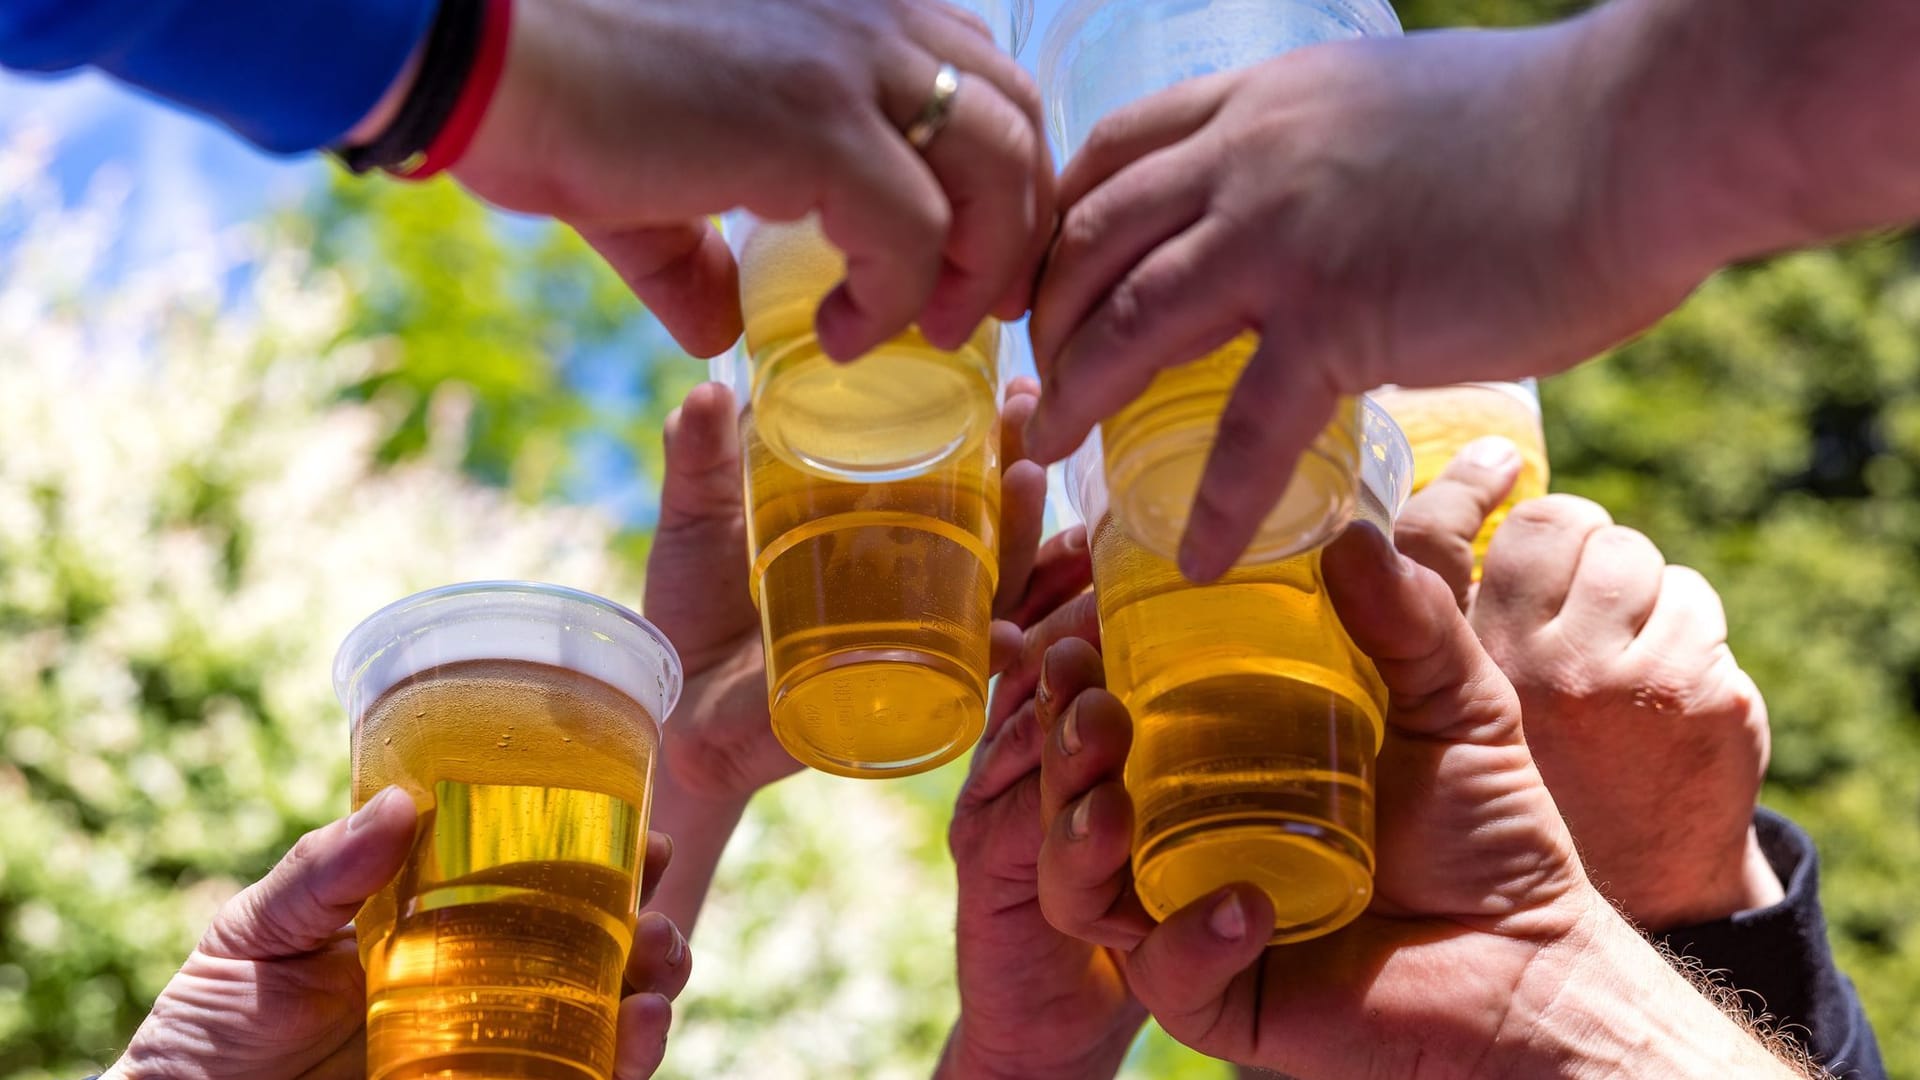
pixel 512 327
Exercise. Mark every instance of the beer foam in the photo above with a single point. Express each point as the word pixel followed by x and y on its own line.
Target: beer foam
pixel 508 620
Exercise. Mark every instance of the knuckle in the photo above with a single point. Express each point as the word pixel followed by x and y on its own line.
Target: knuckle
pixel 1558 511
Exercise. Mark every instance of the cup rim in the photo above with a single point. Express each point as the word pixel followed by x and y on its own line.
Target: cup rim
pixel 410 616
pixel 1386 466
pixel 1377 18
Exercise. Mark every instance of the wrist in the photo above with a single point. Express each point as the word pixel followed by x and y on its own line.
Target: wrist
pixel 1601 1002
pixel 381 116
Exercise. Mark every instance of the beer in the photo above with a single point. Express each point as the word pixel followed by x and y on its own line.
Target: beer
pixel 498 950
pixel 1157 449
pixel 898 411
pixel 1256 722
pixel 1439 421
pixel 875 600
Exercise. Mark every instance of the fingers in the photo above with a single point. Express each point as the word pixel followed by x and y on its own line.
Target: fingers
pixel 686 276
pixel 1438 527
pixel 1182 300
pixel 311 893
pixel 1086 883
pixel 1026 193
pixel 1531 561
pixel 1105 234
pixel 1023 498
pixel 660 962
pixel 659 853
pixel 641 1036
pixel 1004 759
pixel 1271 419
pixel 1087 730
pixel 1441 681
pixel 1189 970
pixel 1614 588
pixel 890 218
pixel 702 441
pixel 1023 515
pixel 1022 396
pixel 1020 679
pixel 1688 619
pixel 1062 571
pixel 1131 132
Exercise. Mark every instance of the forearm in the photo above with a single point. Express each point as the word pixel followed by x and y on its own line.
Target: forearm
pixel 1744 127
pixel 1606 1004
pixel 700 828
pixel 290 77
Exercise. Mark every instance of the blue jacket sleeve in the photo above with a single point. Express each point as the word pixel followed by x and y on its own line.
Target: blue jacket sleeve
pixel 289 75
pixel 1779 959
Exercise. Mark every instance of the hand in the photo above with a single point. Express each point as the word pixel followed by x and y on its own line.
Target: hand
pixel 1485 951
pixel 275 988
pixel 1419 211
pixel 1650 736
pixel 636 120
pixel 1034 1003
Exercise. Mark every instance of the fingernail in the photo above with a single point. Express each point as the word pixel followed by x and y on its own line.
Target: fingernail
pixel 1043 691
pixel 1075 539
pixel 1070 732
pixel 371 808
pixel 1080 822
pixel 677 950
pixel 1493 452
pixel 1229 919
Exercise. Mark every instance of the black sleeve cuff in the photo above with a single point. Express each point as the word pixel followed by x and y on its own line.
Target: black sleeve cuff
pixel 1779 960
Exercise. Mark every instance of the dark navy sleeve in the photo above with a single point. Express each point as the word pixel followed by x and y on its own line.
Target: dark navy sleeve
pixel 289 75
pixel 1778 957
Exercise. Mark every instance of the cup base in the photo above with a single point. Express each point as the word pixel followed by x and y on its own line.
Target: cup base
pixel 1317 878
pixel 878 714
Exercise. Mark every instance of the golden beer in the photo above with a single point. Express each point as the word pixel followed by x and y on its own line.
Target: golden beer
pixel 1439 421
pixel 1256 723
pixel 897 411
pixel 1157 449
pixel 875 601
pixel 1256 719
pixel 499 948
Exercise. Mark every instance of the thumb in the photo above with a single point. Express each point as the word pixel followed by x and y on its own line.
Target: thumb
pixel 313 892
pixel 1441 680
pixel 1440 523
pixel 686 276
pixel 1187 968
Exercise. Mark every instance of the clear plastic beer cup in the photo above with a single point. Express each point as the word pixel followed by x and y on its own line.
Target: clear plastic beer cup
pixel 1440 420
pixel 524 720
pixel 1256 720
pixel 1098 56
pixel 875 601
pixel 896 412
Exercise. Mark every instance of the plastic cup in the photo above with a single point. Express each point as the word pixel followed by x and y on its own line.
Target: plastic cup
pixel 1098 56
pixel 1256 719
pixel 524 720
pixel 1439 421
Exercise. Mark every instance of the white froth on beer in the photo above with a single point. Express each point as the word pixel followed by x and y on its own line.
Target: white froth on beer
pixel 508 620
